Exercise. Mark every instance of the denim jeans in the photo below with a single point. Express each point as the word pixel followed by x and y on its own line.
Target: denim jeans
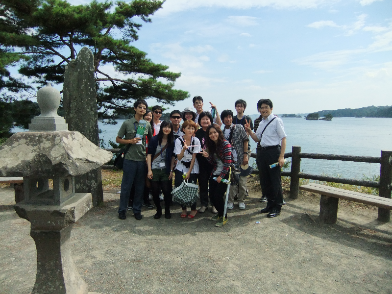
pixel 133 172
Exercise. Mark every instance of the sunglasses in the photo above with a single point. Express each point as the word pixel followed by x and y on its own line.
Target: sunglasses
pixel 176 117
pixel 158 112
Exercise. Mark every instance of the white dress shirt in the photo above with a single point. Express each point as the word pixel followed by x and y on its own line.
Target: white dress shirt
pixel 273 134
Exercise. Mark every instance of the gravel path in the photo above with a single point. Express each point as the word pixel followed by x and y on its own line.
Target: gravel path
pixel 292 253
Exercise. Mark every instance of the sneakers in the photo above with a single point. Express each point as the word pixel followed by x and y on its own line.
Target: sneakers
pixel 122 215
pixel 230 205
pixel 241 205
pixel 202 209
pixel 221 222
pixel 213 210
pixel 216 217
pixel 148 205
pixel 263 199
pixel 138 216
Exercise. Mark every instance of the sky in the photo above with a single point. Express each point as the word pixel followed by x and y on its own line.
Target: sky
pixel 304 55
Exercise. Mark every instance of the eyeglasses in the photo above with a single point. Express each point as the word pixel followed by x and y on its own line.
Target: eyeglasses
pixel 157 112
pixel 176 117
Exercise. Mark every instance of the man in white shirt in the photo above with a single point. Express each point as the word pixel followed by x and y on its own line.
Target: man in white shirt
pixel 272 138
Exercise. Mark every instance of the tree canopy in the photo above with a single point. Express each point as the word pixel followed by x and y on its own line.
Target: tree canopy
pixel 48 34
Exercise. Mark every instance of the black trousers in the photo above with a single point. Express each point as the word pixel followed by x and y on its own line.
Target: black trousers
pixel 217 195
pixel 203 178
pixel 270 178
pixel 166 187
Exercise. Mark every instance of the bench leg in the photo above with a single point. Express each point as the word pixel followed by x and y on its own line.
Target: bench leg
pixel 19 192
pixel 329 209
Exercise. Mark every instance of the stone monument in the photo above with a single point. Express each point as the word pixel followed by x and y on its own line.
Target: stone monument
pixel 80 106
pixel 48 161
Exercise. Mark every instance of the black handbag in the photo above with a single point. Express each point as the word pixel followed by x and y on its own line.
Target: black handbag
pixel 119 160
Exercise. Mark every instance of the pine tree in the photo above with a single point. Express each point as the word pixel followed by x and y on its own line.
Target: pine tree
pixel 49 33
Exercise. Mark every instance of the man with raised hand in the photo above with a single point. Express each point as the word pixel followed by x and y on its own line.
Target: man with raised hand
pixel 272 137
pixel 134 169
pixel 198 105
pixel 238 139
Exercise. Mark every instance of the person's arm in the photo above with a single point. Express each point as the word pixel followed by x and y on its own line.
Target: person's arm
pixel 125 141
pixel 188 174
pixel 181 154
pixel 250 132
pixel 172 167
pixel 282 150
pixel 245 159
pixel 149 173
pixel 218 119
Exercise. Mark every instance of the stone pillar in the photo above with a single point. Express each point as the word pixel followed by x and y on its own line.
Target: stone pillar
pixel 54 256
pixel 80 108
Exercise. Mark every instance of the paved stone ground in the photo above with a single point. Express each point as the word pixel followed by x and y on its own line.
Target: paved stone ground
pixel 293 253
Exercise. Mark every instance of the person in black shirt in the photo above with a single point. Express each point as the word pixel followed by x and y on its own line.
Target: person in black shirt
pixel 205 168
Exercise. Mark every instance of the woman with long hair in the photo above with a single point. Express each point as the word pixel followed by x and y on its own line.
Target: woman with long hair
pixel 186 147
pixel 205 168
pixel 218 153
pixel 160 162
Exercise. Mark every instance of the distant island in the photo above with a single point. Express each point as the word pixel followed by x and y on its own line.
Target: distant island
pixel 370 111
pixel 315 116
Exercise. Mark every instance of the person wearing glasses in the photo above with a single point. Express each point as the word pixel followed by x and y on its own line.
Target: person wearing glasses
pixel 134 169
pixel 175 118
pixel 156 115
pixel 198 105
pixel 272 137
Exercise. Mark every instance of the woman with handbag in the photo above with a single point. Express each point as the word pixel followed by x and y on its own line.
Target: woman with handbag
pixel 160 162
pixel 186 148
pixel 219 155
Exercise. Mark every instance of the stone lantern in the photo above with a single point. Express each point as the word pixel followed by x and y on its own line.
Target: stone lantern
pixel 48 157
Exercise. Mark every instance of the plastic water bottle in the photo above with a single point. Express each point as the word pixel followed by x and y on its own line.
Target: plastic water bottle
pixel 140 130
pixel 223 180
pixel 213 112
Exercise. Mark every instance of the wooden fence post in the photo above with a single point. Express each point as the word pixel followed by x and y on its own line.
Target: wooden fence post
pixel 295 169
pixel 384 215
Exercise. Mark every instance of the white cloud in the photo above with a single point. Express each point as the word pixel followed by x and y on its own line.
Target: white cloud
pixel 243 21
pixel 375 29
pixel 384 72
pixel 322 23
pixel 246 35
pixel 367 2
pixel 172 6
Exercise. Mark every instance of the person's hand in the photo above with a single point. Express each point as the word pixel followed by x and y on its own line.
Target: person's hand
pixel 134 140
pixel 247 127
pixel 204 153
pixel 281 161
pixel 185 146
pixel 149 175
pixel 213 105
pixel 188 174
pixel 219 179
pixel 170 175
pixel 245 160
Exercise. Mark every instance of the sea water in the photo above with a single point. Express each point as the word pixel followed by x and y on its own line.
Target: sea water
pixel 341 136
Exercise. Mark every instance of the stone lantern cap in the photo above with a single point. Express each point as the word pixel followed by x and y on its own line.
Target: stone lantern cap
pixel 50 154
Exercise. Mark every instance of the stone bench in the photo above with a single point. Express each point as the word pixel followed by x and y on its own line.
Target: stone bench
pixel 330 199
pixel 18 186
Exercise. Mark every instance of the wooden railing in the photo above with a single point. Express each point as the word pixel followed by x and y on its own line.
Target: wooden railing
pixel 384 185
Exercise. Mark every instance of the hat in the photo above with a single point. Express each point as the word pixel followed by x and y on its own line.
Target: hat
pixel 187 110
pixel 246 170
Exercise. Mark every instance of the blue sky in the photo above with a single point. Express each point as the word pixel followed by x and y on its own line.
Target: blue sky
pixel 305 55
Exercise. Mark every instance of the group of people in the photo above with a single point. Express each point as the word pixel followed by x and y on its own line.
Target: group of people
pixel 207 149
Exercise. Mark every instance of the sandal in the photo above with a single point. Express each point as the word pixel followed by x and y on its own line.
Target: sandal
pixel 192 215
pixel 184 215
